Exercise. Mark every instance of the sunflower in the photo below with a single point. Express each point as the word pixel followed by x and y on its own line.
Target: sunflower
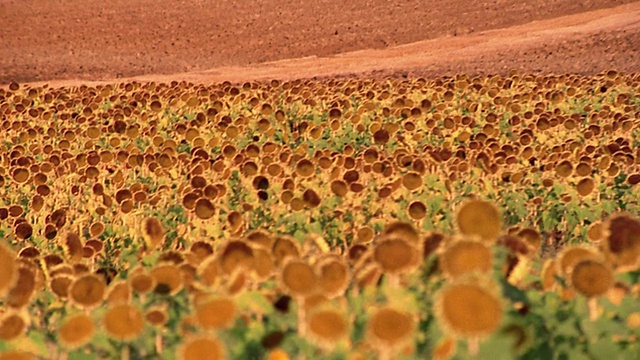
pixel 469 307
pixel 8 268
pixel 480 218
pixel 326 327
pixel 76 330
pixel 298 278
pixel 87 291
pixel 591 277
pixel 201 347
pixel 464 256
pixel 123 322
pixel 389 328
pixel 215 313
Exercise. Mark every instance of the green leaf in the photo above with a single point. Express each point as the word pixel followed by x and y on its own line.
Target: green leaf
pixel 82 355
pixel 497 347
pixel 567 328
pixel 255 301
pixel 575 355
pixel 628 305
pixel 314 228
pixel 608 206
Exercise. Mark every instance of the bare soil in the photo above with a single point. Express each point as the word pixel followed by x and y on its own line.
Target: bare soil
pixel 72 41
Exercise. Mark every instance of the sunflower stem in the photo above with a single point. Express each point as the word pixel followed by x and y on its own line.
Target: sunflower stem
pixel 385 354
pixel 125 353
pixel 158 344
pixel 473 347
pixel 594 311
pixel 302 329
pixel 394 281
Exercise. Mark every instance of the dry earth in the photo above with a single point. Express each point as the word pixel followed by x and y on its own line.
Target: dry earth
pixel 71 41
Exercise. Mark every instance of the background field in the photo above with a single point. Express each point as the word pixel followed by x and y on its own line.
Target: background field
pixel 90 40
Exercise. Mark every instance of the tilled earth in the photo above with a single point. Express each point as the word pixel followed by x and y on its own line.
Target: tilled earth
pixel 71 41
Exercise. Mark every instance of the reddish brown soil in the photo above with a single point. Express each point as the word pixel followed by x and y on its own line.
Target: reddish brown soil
pixel 213 40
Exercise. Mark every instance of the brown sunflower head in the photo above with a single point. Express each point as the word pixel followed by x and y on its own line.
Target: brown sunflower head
pixel 87 291
pixel 621 242
pixel 13 324
pixel 333 274
pixel 464 256
pixel 591 277
pixel 479 218
pixel 571 255
pixel 215 313
pixel 152 232
pixel 167 278
pixel 123 322
pixel 298 278
pixel 389 328
pixel 469 307
pixel 201 347
pixel 8 268
pixel 76 330
pixel 395 255
pixel 327 327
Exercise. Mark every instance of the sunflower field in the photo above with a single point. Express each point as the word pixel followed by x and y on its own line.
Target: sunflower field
pixel 487 217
